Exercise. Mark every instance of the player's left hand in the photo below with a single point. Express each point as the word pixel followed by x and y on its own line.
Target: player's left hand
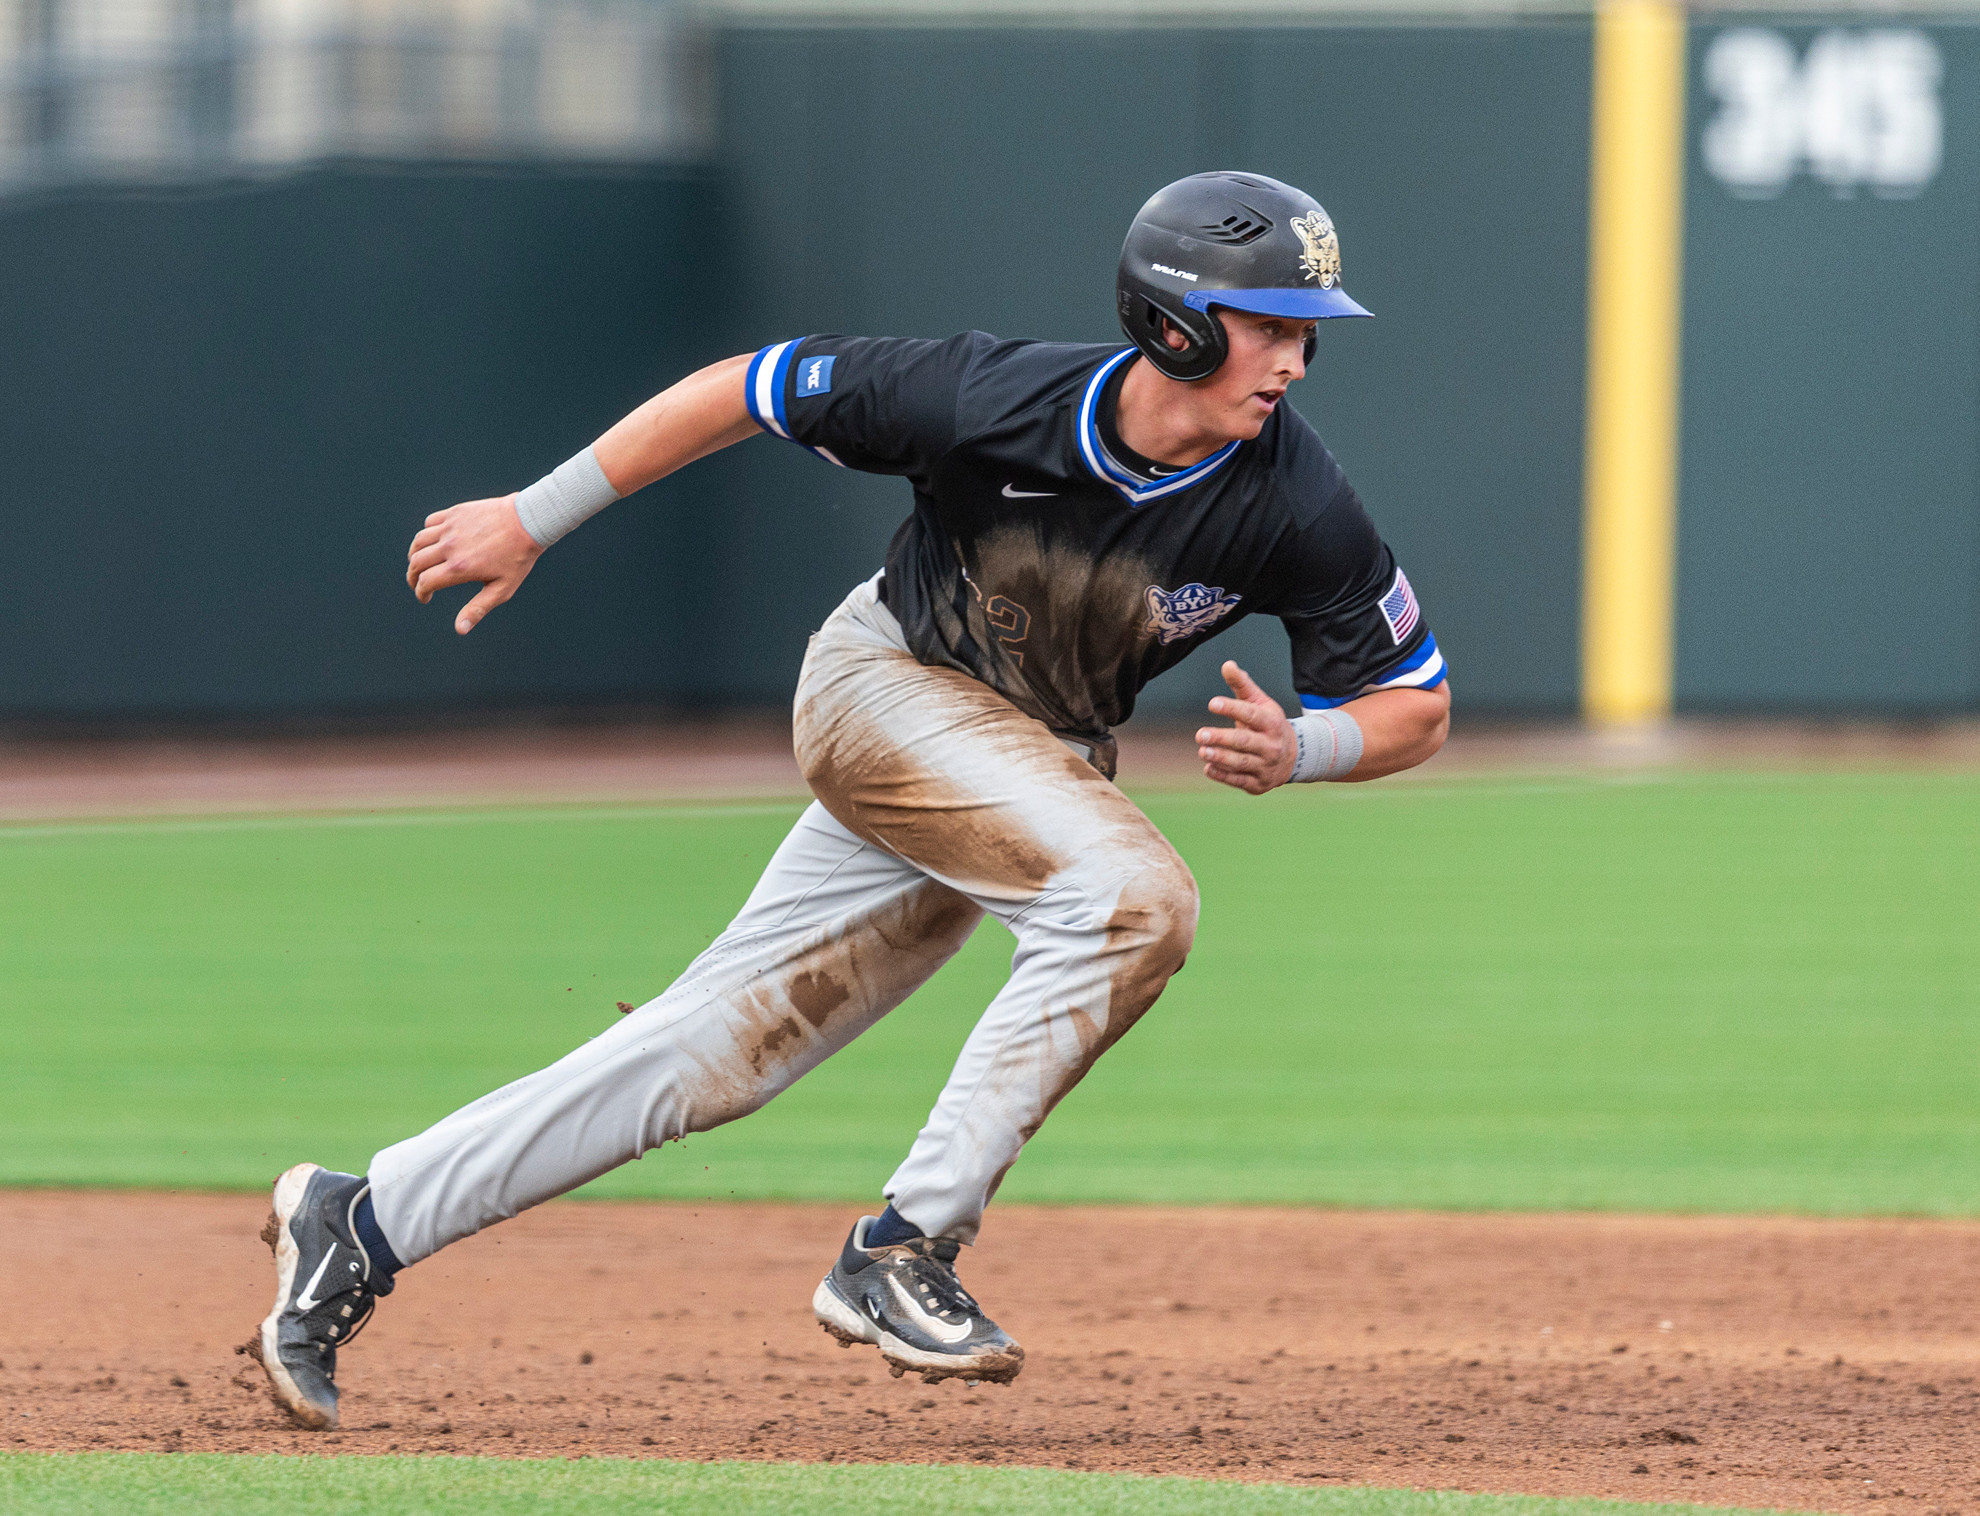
pixel 1257 754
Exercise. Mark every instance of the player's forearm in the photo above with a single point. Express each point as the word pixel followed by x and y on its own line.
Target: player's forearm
pixel 1399 729
pixel 702 414
pixel 686 421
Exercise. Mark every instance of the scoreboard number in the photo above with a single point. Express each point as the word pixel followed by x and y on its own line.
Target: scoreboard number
pixel 1859 111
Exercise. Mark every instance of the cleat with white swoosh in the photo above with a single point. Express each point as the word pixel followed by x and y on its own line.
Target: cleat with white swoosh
pixel 905 1299
pixel 325 1289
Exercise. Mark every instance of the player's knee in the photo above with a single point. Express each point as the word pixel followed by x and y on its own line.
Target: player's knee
pixel 1158 913
pixel 1180 905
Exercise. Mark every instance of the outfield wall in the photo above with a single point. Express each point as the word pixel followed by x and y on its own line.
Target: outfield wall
pixel 224 413
pixel 1829 500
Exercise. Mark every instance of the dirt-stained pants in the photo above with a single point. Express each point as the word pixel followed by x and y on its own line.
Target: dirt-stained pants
pixel 937 802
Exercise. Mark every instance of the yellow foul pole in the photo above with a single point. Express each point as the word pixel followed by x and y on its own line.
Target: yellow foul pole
pixel 1636 259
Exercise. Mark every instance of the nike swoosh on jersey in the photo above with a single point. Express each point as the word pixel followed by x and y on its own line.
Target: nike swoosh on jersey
pixel 307 1300
pixel 1011 494
pixel 934 1326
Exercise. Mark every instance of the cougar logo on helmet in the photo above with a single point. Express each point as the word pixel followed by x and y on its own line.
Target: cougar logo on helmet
pixel 1322 258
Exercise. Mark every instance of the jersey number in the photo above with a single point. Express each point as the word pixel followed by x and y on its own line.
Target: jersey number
pixel 1010 621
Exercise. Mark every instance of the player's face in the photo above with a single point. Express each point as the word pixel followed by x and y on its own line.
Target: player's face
pixel 1267 353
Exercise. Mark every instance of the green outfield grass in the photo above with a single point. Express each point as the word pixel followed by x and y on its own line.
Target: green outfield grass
pixel 1717 992
pixel 216 1484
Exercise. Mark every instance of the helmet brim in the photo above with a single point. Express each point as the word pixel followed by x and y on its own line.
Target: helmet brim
pixel 1299 304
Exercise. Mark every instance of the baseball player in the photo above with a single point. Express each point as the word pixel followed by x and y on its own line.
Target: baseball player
pixel 1084 517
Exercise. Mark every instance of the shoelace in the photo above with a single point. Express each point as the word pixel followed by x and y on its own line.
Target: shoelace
pixel 362 1303
pixel 367 1302
pixel 941 1290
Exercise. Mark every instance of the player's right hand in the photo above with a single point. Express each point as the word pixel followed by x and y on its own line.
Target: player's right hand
pixel 479 542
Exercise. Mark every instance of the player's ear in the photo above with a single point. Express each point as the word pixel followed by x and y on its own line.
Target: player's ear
pixel 1176 340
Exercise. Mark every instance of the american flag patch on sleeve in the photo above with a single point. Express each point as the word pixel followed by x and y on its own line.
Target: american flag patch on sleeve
pixel 1399 608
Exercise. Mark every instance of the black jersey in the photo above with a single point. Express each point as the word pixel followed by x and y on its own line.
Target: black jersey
pixel 1040 562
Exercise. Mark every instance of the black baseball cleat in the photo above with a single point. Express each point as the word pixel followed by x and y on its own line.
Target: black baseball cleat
pixel 325 1289
pixel 905 1299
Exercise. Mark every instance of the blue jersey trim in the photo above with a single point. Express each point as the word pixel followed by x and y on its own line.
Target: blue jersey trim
pixel 1443 672
pixel 1424 669
pixel 764 404
pixel 1134 491
pixel 1417 659
pixel 778 381
pixel 763 393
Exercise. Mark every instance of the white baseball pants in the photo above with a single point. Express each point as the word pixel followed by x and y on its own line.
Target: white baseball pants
pixel 937 801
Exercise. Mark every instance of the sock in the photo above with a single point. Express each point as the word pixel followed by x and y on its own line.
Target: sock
pixel 891 1227
pixel 383 1259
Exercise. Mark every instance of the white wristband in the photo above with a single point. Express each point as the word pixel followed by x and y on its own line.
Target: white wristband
pixel 1329 746
pixel 567 497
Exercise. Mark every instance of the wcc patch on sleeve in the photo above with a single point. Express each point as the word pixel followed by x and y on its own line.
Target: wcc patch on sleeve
pixel 1399 608
pixel 814 376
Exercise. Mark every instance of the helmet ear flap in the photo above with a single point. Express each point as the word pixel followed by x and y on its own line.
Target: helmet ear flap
pixel 1142 320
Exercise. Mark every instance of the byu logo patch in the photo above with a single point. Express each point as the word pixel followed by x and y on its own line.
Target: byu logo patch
pixel 815 376
pixel 1175 614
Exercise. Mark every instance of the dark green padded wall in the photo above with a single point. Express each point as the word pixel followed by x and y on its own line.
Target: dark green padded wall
pixel 223 416
pixel 1829 538
pixel 914 182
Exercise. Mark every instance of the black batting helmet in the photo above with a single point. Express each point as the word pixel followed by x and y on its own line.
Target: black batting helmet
pixel 1238 240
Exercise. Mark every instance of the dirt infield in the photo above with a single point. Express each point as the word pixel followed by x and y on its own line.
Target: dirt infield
pixel 1827 1365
